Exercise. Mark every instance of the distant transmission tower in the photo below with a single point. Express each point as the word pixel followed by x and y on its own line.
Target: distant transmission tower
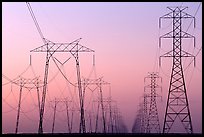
pixel 144 115
pixel 137 123
pixel 177 102
pixel 153 125
pixel 65 101
pixel 23 82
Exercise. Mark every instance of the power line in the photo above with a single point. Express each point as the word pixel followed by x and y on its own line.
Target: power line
pixel 192 59
pixel 35 21
pixel 194 16
pixel 193 32
pixel 63 73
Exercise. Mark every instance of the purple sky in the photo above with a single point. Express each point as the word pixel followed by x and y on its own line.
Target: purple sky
pixel 125 39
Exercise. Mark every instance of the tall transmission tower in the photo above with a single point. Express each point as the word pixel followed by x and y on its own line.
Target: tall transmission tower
pixel 50 48
pixel 74 48
pixel 177 102
pixel 153 125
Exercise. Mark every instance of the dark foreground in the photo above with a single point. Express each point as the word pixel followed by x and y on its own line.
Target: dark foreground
pixel 107 134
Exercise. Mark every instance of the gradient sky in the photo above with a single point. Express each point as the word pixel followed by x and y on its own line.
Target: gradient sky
pixel 125 38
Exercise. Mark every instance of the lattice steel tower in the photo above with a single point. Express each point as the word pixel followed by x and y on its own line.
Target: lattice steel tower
pixel 144 116
pixel 153 125
pixel 177 102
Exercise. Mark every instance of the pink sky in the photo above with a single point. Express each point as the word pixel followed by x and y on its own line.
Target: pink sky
pixel 125 39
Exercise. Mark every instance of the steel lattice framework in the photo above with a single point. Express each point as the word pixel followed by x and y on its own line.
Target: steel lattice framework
pixel 144 116
pixel 66 102
pixel 23 82
pixel 98 82
pixel 177 102
pixel 140 123
pixel 50 48
pixel 153 125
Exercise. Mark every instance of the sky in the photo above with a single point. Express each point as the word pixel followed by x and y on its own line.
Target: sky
pixel 124 36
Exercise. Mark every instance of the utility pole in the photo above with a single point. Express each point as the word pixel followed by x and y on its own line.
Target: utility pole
pixel 177 103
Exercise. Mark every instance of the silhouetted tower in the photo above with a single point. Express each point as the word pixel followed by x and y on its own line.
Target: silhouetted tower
pixel 68 118
pixel 102 105
pixel 50 48
pixel 153 125
pixel 177 102
pixel 110 114
pixel 74 48
pixel 107 102
pixel 66 102
pixel 144 115
pixel 22 82
pixel 98 82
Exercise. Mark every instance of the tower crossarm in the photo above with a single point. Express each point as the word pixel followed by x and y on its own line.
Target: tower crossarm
pixel 170 54
pixel 61 100
pixel 97 82
pixel 28 81
pixel 176 10
pixel 183 35
pixel 72 47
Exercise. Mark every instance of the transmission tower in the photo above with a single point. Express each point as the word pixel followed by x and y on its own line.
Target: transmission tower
pixel 22 82
pixel 153 125
pixel 101 100
pixel 110 101
pixel 117 120
pixel 108 108
pixel 98 82
pixel 136 124
pixel 65 101
pixel 177 102
pixel 74 48
pixel 50 48
pixel 144 115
